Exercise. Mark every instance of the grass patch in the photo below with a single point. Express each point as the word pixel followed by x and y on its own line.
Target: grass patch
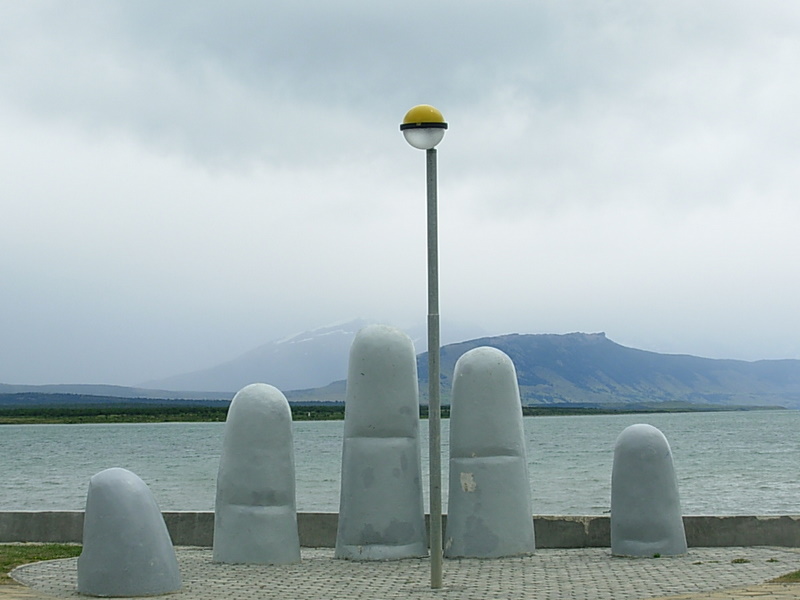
pixel 14 555
pixel 793 577
pixel 740 561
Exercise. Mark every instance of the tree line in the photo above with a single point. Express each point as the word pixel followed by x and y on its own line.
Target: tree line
pixel 119 413
pixel 217 412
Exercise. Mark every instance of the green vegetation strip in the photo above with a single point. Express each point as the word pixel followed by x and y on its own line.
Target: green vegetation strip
pixel 793 577
pixel 122 412
pixel 14 555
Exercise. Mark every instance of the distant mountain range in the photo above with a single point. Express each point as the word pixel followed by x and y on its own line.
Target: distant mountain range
pixel 576 368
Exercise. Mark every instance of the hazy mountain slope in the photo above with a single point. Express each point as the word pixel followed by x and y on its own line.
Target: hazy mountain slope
pixel 306 360
pixel 112 391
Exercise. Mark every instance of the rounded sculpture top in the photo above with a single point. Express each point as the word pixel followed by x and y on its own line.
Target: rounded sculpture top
pixel 485 410
pixel 423 127
pixel 648 442
pixel 382 398
pixel 259 400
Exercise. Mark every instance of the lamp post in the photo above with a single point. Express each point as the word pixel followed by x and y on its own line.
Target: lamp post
pixel 423 128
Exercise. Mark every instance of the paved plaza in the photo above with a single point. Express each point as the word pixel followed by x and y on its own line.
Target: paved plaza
pixel 579 574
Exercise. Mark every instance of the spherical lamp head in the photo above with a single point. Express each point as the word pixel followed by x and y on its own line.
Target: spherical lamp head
pixel 423 127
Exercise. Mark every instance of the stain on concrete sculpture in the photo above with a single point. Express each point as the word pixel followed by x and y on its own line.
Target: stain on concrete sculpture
pixel 381 514
pixel 489 510
pixel 646 515
pixel 127 550
pixel 255 517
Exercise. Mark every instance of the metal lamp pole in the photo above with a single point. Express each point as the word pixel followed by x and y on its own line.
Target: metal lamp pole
pixel 434 402
pixel 423 128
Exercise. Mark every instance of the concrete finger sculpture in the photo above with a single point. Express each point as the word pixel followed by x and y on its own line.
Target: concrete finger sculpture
pixel 489 509
pixel 646 515
pixel 381 514
pixel 255 517
pixel 127 550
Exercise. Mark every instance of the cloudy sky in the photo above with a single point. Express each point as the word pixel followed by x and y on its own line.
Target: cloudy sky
pixel 183 181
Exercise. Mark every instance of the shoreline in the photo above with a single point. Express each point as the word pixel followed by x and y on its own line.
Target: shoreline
pixel 171 413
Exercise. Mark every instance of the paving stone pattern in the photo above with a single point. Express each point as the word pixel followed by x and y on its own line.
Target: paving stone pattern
pixel 573 574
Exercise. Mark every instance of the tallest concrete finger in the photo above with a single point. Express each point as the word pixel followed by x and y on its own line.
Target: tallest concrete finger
pixel 381 514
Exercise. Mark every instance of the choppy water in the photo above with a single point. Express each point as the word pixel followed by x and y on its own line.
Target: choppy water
pixel 727 463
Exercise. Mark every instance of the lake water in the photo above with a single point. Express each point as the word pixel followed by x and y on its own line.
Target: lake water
pixel 727 463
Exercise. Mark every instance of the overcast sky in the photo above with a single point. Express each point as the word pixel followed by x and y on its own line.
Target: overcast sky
pixel 183 181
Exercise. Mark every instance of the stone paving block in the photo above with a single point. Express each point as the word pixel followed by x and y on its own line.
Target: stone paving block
pixel 584 573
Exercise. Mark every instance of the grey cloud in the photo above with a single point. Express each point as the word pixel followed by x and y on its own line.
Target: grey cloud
pixel 203 169
pixel 253 81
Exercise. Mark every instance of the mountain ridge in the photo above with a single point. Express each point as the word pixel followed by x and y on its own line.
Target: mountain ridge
pixel 590 368
pixel 552 369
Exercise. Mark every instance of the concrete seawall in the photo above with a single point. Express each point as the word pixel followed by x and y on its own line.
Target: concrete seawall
pixel 318 530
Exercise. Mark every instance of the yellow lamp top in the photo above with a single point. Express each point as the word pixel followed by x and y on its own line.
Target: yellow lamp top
pixel 423 115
